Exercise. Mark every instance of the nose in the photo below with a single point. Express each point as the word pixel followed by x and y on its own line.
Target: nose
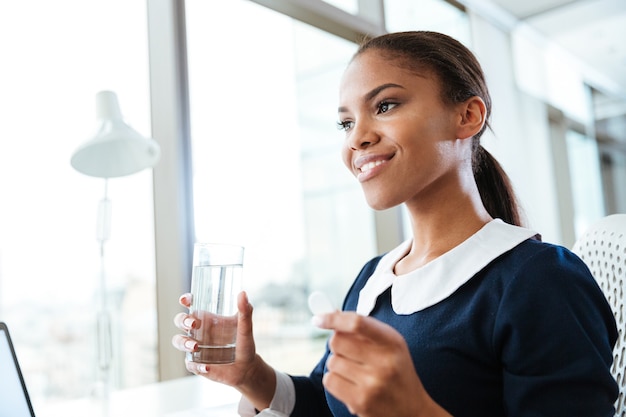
pixel 362 136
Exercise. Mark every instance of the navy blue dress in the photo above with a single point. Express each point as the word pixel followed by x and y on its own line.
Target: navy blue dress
pixel 529 335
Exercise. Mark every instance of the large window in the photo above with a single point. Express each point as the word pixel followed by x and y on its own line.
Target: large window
pixel 56 56
pixel 267 166
pixel 586 183
pixel 437 15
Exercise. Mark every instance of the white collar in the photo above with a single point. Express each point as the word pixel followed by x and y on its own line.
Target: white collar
pixel 440 277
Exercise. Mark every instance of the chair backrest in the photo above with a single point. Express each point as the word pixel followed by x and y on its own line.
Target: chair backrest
pixel 603 249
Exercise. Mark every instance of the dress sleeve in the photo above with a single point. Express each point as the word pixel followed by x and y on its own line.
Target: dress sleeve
pixel 310 395
pixel 555 333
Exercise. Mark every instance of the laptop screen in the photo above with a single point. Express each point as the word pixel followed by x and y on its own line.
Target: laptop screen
pixel 14 400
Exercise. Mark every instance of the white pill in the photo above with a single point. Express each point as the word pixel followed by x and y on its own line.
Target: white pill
pixel 319 303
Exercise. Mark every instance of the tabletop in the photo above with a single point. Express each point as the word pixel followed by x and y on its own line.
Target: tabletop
pixel 191 396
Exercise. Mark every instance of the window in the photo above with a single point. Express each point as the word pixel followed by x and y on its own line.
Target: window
pixel 437 15
pixel 585 180
pixel 267 166
pixel 54 64
pixel 613 164
pixel 610 132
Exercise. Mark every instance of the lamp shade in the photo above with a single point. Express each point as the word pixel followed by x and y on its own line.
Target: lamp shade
pixel 117 149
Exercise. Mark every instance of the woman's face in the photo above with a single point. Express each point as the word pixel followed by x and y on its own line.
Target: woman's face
pixel 401 141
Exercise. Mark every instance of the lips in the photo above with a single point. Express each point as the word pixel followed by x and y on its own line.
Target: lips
pixel 367 165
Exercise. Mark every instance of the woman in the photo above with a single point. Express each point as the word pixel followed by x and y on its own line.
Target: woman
pixel 473 316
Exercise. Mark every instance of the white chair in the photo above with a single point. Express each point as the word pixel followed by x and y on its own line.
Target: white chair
pixel 603 249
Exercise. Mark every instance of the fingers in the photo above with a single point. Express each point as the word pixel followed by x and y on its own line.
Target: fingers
pixel 185 300
pixel 197 368
pixel 184 343
pixel 351 322
pixel 186 322
pixel 370 365
pixel 361 339
pixel 347 367
pixel 340 386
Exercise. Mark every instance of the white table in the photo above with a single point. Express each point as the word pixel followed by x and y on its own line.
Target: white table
pixel 191 396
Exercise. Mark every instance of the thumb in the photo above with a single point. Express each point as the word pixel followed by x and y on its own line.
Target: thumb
pixel 245 314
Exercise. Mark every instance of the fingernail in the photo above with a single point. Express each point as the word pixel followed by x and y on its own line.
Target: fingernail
pixel 203 369
pixel 189 322
pixel 191 344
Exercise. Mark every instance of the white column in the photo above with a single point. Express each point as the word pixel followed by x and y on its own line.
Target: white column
pixel 173 200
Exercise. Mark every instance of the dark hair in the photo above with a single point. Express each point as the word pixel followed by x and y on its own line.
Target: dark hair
pixel 461 77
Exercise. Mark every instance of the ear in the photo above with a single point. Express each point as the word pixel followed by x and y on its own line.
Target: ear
pixel 472 115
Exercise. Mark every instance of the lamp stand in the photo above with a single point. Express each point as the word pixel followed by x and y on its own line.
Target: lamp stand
pixel 103 320
pixel 116 150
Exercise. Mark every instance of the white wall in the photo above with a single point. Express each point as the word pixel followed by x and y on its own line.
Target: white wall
pixel 521 138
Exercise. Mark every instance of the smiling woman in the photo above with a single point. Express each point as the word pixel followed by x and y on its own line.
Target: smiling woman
pixel 482 309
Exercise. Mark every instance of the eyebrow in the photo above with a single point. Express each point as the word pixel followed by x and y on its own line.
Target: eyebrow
pixel 373 93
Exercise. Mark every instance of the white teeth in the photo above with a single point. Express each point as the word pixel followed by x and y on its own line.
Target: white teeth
pixel 371 165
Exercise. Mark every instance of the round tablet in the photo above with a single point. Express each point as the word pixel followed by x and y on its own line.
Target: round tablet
pixel 319 303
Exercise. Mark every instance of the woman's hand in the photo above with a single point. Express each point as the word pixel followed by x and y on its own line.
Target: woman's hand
pixel 249 373
pixel 371 370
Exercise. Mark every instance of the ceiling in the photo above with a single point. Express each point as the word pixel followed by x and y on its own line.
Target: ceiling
pixel 592 30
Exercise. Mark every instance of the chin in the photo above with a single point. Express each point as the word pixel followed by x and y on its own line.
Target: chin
pixel 378 203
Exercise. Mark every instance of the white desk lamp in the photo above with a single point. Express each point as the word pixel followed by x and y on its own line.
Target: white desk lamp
pixel 116 150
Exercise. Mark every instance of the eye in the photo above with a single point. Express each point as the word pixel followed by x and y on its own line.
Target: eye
pixel 345 125
pixel 385 106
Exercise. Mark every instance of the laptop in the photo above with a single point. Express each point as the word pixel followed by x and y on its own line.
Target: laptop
pixel 14 399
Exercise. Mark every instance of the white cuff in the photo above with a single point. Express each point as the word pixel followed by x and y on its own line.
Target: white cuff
pixel 282 404
pixel 246 409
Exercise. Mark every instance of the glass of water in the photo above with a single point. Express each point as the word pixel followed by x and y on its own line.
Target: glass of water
pixel 215 284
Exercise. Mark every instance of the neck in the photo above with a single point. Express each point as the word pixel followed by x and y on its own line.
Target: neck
pixel 442 225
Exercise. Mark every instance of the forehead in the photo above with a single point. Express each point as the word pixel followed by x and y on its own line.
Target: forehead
pixel 372 68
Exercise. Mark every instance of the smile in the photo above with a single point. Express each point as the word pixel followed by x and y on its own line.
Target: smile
pixel 369 166
pixel 366 167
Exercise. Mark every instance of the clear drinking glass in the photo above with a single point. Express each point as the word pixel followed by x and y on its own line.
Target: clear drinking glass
pixel 215 284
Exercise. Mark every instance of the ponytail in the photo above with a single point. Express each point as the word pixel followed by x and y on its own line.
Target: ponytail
pixel 494 186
